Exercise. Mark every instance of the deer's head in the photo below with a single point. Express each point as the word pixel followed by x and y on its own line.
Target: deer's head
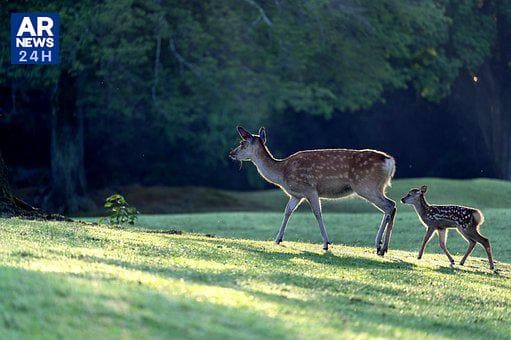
pixel 414 195
pixel 250 145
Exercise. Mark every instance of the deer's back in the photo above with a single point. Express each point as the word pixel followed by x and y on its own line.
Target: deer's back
pixel 452 216
pixel 334 172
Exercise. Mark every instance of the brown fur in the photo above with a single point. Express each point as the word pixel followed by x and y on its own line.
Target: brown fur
pixel 440 218
pixel 326 173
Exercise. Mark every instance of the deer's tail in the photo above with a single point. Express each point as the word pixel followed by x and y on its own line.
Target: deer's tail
pixel 478 217
pixel 389 167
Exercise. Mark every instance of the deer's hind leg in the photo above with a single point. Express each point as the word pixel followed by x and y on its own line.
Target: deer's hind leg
pixel 474 235
pixel 388 207
pixel 381 229
pixel 390 225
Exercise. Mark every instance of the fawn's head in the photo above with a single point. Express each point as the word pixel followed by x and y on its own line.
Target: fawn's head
pixel 250 145
pixel 414 195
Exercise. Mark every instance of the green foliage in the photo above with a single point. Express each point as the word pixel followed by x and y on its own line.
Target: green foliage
pixel 118 210
pixel 197 68
pixel 179 60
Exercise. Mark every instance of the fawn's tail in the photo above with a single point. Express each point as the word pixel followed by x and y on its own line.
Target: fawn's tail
pixel 478 217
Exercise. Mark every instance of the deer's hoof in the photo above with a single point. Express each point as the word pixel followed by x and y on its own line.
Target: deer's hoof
pixel 325 248
pixel 278 241
pixel 452 264
pixel 381 252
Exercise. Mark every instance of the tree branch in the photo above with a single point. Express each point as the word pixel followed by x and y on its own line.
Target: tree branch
pixel 156 68
pixel 182 61
pixel 263 16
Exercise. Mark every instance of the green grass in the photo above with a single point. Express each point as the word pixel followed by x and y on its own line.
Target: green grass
pixel 164 200
pixel 73 280
pixel 482 193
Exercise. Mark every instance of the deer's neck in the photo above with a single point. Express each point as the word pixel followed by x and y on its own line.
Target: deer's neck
pixel 421 205
pixel 268 166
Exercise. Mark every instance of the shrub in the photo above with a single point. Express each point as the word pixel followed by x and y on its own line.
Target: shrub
pixel 119 211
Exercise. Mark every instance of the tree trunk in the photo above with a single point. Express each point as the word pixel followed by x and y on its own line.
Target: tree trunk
pixel 7 203
pixel 68 187
pixel 11 206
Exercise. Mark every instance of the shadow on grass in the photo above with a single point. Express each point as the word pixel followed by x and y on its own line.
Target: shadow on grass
pixel 405 248
pixel 385 301
pixel 340 302
pixel 59 305
pixel 457 269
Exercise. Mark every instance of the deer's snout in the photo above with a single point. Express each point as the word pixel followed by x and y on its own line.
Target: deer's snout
pixel 232 154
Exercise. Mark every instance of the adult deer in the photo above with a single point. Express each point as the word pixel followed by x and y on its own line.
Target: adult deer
pixel 328 173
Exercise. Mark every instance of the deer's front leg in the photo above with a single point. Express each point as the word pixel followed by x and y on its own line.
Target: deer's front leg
pixel 427 238
pixel 442 241
pixel 291 206
pixel 315 204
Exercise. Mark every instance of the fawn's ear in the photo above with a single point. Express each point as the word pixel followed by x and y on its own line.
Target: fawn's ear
pixel 262 134
pixel 244 134
pixel 424 188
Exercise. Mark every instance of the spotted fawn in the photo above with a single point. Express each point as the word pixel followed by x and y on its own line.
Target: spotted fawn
pixel 442 217
pixel 324 174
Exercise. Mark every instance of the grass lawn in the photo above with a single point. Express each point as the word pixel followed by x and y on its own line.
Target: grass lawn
pixel 73 280
pixel 481 192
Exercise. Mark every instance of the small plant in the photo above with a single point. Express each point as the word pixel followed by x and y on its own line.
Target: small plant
pixel 119 211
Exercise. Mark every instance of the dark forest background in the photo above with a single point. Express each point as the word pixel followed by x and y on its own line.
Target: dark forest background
pixel 150 92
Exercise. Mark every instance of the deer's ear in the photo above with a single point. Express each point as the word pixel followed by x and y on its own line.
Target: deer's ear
pixel 262 134
pixel 424 188
pixel 244 134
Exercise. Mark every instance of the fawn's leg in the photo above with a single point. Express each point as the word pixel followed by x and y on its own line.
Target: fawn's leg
pixel 293 203
pixel 442 241
pixel 474 234
pixel 315 204
pixel 427 238
pixel 471 246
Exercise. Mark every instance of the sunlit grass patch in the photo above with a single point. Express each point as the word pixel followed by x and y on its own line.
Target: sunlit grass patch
pixel 63 279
